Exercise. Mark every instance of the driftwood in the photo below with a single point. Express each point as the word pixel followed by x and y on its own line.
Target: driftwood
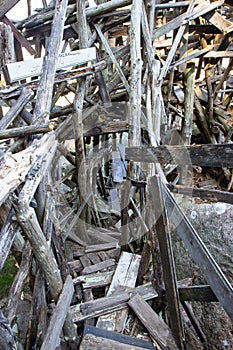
pixel 107 111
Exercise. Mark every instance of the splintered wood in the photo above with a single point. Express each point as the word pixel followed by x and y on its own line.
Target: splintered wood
pixel 106 108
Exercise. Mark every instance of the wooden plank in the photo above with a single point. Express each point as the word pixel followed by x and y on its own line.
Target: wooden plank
pixel 157 328
pixel 57 320
pixel 184 18
pixel 125 277
pixel 94 280
pixel 200 254
pixel 99 266
pixel 6 5
pixel 106 305
pixel 208 155
pixel 31 68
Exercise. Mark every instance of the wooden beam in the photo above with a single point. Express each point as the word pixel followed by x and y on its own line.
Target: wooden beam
pixel 208 155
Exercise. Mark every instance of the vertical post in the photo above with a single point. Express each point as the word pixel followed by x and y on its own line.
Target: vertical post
pixel 135 83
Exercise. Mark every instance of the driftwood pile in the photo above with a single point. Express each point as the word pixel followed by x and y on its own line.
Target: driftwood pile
pixel 118 105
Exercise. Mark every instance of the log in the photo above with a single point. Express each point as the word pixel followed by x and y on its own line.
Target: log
pixel 25 131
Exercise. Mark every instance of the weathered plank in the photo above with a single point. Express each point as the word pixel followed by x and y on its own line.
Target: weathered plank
pixel 106 305
pixel 51 339
pixel 99 266
pixel 204 155
pixel 125 277
pixel 157 328
pixel 33 67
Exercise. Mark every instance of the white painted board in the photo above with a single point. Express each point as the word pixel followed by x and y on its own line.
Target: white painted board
pixel 29 68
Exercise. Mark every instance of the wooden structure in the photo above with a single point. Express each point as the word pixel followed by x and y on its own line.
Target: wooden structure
pixel 120 104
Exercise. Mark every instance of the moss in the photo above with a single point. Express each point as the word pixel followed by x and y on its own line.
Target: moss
pixel 7 276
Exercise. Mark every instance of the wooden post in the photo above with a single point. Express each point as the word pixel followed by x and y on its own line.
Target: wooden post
pixel 136 65
pixel 45 90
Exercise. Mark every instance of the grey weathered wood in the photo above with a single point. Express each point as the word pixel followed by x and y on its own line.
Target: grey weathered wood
pixel 178 21
pixel 200 254
pixel 57 320
pixel 25 131
pixel 18 283
pixel 188 104
pixel 219 155
pixel 94 280
pixel 110 304
pixel 7 341
pixel 175 44
pixel 15 167
pixel 25 97
pixel 99 266
pixel 157 328
pixel 7 235
pixel 135 74
pixel 45 90
pixel 19 36
pixel 111 55
pixel 125 277
pixel 106 7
